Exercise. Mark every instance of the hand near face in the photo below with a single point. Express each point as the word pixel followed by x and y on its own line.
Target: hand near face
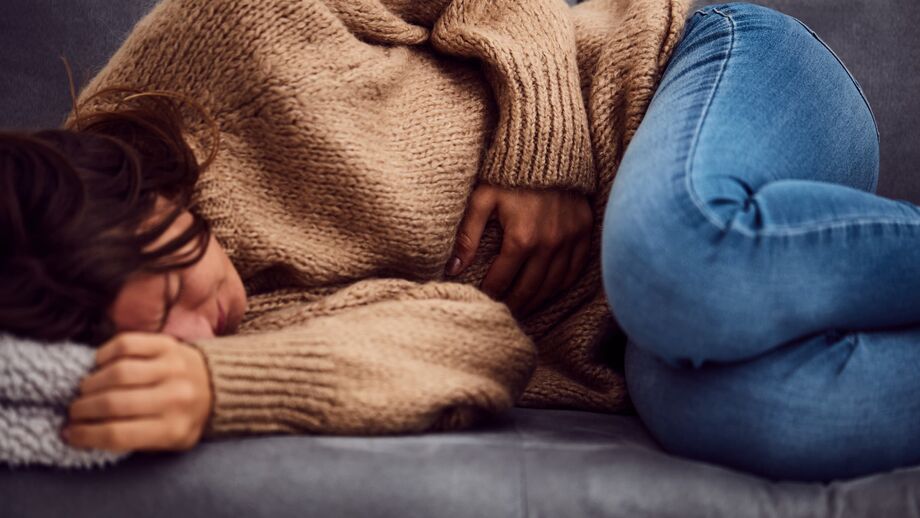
pixel 148 392
pixel 545 242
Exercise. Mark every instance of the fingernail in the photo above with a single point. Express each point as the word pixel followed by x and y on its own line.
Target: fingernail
pixel 453 267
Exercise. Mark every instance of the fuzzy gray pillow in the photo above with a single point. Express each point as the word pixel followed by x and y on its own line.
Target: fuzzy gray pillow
pixel 37 383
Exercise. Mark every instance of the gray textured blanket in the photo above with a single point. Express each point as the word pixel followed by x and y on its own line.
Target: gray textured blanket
pixel 37 383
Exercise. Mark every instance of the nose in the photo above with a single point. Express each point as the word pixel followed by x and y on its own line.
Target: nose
pixel 189 326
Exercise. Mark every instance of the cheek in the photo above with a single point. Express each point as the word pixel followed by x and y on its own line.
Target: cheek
pixel 215 261
pixel 202 278
pixel 234 283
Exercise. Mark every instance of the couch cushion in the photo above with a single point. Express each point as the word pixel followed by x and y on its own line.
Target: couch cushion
pixel 526 463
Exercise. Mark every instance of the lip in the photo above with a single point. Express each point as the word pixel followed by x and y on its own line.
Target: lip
pixel 221 319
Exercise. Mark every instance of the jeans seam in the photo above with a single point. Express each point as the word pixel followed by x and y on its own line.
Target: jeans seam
pixel 688 167
pixel 788 231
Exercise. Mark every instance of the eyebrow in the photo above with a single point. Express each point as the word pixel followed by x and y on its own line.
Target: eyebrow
pixel 167 303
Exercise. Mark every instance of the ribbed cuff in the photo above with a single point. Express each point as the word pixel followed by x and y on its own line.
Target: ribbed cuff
pixel 542 138
pixel 276 387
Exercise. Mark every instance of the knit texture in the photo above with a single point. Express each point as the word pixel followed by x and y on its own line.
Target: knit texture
pixel 352 135
pixel 37 383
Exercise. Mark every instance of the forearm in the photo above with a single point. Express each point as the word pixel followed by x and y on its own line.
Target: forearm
pixel 427 357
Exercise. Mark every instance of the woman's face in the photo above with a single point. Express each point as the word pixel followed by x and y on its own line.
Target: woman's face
pixel 203 300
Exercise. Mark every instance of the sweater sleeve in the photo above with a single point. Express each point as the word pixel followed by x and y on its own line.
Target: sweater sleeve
pixel 380 356
pixel 528 51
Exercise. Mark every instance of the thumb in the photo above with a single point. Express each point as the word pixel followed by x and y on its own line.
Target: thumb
pixel 470 232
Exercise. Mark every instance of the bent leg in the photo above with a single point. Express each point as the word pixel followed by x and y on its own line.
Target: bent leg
pixel 743 215
pixel 826 407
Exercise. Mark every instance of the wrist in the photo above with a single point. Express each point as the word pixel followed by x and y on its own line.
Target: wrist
pixel 206 385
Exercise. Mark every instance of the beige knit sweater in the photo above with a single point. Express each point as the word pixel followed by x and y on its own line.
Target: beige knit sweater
pixel 352 134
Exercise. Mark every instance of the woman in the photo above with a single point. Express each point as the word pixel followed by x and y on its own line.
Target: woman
pixel 348 138
pixel 354 148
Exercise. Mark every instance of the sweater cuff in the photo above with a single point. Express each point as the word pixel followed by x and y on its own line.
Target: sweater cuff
pixel 542 139
pixel 260 393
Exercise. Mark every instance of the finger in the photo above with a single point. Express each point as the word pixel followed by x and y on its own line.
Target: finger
pixel 121 435
pixel 577 264
pixel 528 283
pixel 555 274
pixel 119 403
pixel 503 269
pixel 132 344
pixel 125 372
pixel 481 207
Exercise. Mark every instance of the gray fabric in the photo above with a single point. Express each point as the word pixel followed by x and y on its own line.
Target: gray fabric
pixel 527 463
pixel 37 383
pixel 41 374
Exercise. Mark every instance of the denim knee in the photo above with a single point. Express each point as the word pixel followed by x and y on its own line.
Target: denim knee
pixel 678 270
pixel 779 21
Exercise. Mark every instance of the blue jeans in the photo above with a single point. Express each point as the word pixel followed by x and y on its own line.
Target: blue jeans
pixel 772 300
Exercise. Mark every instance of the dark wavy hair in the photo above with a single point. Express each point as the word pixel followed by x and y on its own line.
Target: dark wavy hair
pixel 77 207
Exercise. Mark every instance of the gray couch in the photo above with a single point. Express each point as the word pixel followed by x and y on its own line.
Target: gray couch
pixel 525 463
